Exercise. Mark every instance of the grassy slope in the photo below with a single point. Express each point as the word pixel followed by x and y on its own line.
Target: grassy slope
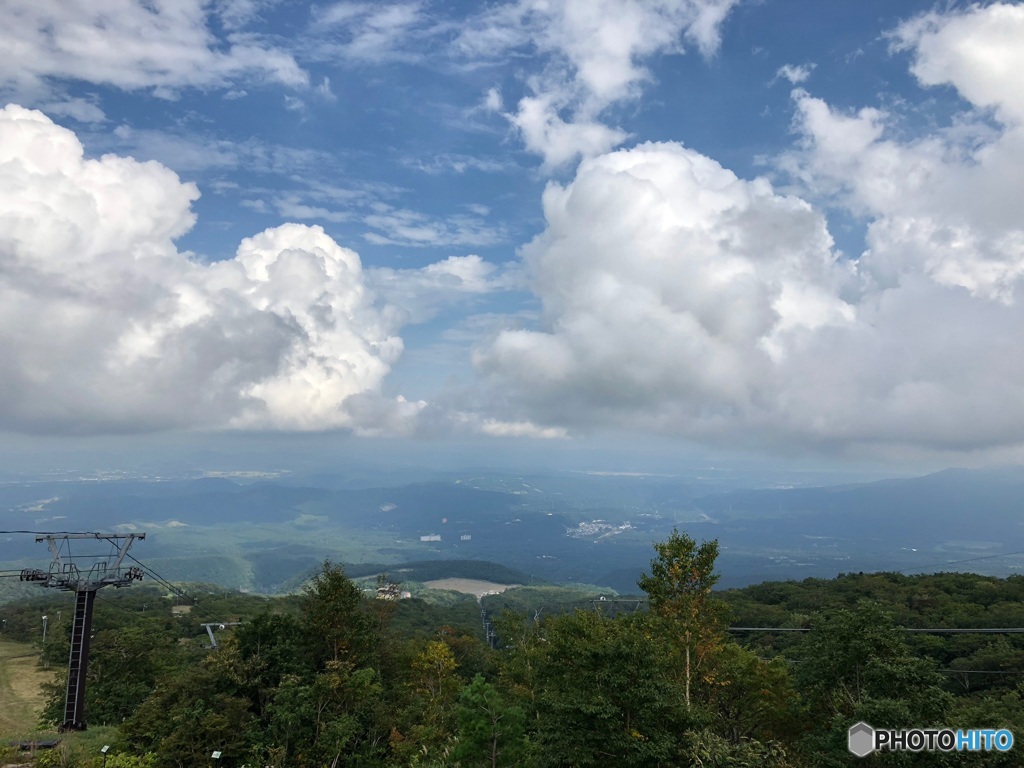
pixel 21 693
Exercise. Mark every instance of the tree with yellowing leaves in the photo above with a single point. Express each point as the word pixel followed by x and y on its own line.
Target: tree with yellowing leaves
pixel 679 591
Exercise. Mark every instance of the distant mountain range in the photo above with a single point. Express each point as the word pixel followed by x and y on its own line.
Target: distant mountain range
pixel 265 535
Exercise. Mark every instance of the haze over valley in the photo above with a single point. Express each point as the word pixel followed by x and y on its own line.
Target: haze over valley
pixel 493 381
pixel 257 532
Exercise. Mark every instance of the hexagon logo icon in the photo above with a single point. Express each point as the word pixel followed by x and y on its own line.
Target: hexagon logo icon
pixel 860 739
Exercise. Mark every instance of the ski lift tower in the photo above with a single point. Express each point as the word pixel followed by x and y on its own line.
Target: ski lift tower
pixel 83 574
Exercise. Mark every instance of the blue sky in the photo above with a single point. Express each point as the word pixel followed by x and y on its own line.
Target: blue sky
pixel 759 228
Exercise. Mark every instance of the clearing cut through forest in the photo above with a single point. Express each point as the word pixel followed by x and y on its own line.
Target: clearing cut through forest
pixel 474 587
pixel 21 688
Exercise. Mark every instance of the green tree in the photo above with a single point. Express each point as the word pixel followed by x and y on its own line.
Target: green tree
pixel 427 725
pixel 520 660
pixel 679 590
pixel 855 665
pixel 752 698
pixel 833 660
pixel 608 694
pixel 491 732
pixel 994 710
pixel 338 622
pixel 705 749
pixel 264 651
pixel 325 721
pixel 997 655
pixel 189 715
pixel 124 665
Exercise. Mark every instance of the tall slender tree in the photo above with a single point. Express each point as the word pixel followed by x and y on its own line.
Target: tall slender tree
pixel 679 590
pixel 337 617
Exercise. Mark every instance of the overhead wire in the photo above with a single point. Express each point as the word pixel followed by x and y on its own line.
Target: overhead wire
pixel 114 604
pixel 958 562
pixel 148 570
pixel 56 533
pixel 797 662
pixel 161 580
pixel 193 601
pixel 917 568
pixel 927 630
pixel 145 568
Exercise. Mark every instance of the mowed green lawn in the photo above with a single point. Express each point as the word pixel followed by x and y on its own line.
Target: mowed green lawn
pixel 21 692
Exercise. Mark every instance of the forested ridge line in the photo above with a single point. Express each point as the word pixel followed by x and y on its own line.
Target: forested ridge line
pixel 333 677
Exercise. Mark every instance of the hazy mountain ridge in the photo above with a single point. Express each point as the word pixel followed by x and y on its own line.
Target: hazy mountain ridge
pixel 559 527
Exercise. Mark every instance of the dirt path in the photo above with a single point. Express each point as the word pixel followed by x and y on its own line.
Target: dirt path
pixel 21 692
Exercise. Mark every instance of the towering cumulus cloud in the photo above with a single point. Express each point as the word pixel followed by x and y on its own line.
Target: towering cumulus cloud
pixel 105 326
pixel 679 298
pixel 672 291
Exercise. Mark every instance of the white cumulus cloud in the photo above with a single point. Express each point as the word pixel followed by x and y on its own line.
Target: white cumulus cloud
pixel 595 51
pixel 105 326
pixel 945 204
pixel 977 50
pixel 680 298
pixel 671 292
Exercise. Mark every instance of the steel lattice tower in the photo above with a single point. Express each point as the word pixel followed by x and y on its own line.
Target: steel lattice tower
pixel 65 574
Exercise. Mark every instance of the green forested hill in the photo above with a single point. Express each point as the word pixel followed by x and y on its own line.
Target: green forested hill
pixel 332 677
